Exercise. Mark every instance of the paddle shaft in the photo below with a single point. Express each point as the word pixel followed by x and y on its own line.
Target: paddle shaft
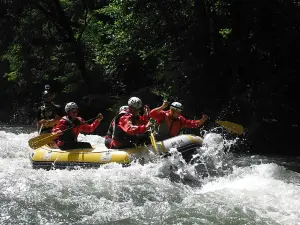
pixel 147 113
pixel 152 138
pixel 232 127
pixel 40 129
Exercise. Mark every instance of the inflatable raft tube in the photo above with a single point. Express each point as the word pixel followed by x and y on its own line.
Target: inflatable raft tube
pixel 47 157
pixel 186 144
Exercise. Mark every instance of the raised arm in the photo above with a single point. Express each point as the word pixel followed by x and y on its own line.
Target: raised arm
pixel 89 128
pixel 193 123
pixel 158 114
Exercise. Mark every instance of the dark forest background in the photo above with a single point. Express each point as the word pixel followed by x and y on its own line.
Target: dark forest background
pixel 235 60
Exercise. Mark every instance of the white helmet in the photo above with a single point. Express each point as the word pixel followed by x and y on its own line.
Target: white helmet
pixel 123 108
pixel 177 105
pixel 135 102
pixel 70 106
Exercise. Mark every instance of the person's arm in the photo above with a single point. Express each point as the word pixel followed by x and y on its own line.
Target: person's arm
pixel 158 114
pixel 125 123
pixel 203 119
pixel 143 119
pixel 61 126
pixel 193 123
pixel 89 128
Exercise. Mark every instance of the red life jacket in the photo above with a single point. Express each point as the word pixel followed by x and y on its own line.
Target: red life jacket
pixel 71 135
pixel 135 126
pixel 118 134
pixel 169 127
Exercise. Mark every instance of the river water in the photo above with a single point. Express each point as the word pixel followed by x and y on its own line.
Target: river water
pixel 220 188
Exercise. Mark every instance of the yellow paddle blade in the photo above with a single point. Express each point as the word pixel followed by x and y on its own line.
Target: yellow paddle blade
pixel 51 123
pixel 153 142
pixel 232 127
pixel 41 140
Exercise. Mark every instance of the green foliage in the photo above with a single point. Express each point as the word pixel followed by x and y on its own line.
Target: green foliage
pixel 189 49
pixel 142 38
pixel 225 32
pixel 13 55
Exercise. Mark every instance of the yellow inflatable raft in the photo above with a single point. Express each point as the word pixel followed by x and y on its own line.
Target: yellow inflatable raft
pixel 49 156
pixel 185 143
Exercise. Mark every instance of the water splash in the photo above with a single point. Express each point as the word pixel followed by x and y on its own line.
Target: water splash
pixel 252 191
pixel 213 158
pixel 255 193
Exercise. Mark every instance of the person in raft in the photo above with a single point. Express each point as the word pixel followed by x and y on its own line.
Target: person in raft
pixel 49 113
pixel 171 122
pixel 68 139
pixel 108 137
pixel 130 128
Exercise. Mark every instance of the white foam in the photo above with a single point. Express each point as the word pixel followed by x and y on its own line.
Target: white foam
pixel 257 194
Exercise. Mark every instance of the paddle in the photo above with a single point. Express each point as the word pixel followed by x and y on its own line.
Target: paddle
pixel 50 123
pixel 44 139
pixel 152 138
pixel 232 127
pixel 40 129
